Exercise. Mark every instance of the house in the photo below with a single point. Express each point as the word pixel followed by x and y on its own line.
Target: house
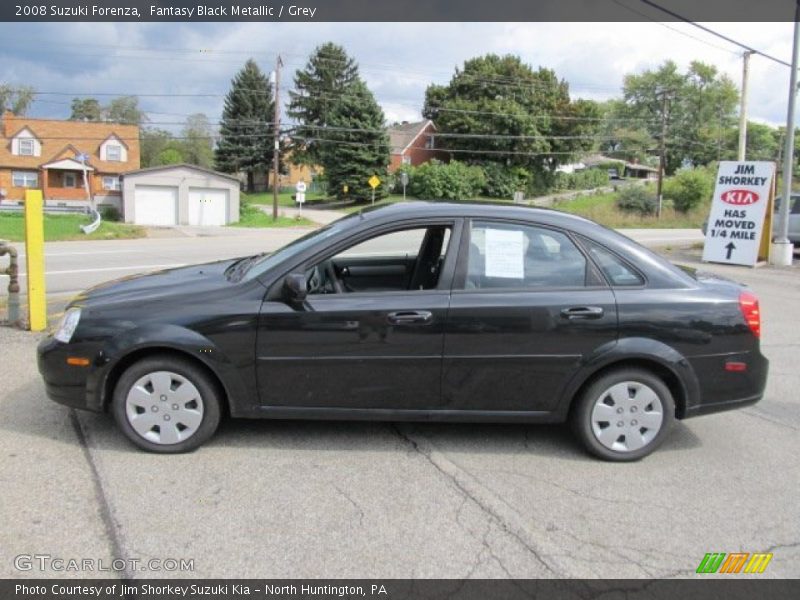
pixel 413 144
pixel 180 195
pixel 46 154
pixel 623 168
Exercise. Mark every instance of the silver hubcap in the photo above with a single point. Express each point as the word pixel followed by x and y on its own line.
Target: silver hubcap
pixel 164 407
pixel 627 416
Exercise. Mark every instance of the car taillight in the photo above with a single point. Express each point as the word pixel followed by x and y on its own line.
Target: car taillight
pixel 748 303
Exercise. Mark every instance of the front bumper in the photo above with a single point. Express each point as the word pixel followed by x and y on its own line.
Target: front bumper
pixel 67 384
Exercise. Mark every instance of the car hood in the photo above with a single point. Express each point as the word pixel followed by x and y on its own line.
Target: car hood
pixel 159 285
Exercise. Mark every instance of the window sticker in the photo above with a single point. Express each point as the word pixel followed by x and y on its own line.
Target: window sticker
pixel 505 254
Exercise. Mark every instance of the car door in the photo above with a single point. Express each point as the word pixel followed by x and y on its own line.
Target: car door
pixel 374 344
pixel 526 309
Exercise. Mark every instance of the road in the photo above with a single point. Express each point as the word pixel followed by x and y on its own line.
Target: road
pixel 336 499
pixel 74 266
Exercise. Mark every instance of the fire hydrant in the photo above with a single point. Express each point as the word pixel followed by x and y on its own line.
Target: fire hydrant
pixel 13 281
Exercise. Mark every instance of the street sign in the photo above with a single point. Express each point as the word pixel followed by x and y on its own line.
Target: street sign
pixel 743 197
pixel 300 186
pixel 404 178
pixel 374 181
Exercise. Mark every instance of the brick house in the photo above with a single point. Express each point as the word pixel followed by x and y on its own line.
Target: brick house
pixel 413 144
pixel 45 154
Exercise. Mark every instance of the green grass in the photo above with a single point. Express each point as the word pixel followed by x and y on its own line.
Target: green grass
pixel 252 216
pixel 59 228
pixel 284 198
pixel 603 209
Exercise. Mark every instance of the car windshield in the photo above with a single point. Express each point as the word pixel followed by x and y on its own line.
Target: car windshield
pixel 261 264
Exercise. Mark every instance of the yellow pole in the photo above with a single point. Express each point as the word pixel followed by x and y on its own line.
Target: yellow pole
pixel 34 254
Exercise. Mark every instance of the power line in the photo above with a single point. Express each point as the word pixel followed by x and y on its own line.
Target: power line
pixel 716 33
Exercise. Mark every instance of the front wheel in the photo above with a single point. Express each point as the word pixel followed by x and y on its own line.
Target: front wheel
pixel 624 415
pixel 166 404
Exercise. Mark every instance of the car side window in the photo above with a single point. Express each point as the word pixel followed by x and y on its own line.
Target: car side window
pixel 614 268
pixel 511 255
pixel 400 260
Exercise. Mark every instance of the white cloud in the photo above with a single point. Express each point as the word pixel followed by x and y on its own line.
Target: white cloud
pixel 398 60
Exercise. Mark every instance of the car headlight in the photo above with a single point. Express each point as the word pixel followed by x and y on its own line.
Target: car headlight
pixel 68 325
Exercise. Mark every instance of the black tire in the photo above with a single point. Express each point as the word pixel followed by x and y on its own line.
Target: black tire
pixel 209 402
pixel 583 422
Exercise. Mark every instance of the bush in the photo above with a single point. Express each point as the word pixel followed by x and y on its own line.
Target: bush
pixel 636 199
pixel 503 181
pixel 581 180
pixel 689 188
pixel 110 213
pixel 451 181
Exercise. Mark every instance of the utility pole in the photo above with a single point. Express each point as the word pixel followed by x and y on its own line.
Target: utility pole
pixel 662 161
pixel 782 249
pixel 276 156
pixel 743 106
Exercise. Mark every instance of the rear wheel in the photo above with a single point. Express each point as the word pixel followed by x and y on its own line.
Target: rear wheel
pixel 624 415
pixel 166 404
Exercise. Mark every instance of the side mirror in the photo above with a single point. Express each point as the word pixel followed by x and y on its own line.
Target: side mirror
pixel 295 287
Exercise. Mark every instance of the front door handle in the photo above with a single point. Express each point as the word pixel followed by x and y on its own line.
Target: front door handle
pixel 582 312
pixel 409 317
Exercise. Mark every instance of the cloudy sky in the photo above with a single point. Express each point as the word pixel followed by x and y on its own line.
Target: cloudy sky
pixel 397 60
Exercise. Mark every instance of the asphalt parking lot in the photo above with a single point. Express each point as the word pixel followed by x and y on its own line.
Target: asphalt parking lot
pixel 331 499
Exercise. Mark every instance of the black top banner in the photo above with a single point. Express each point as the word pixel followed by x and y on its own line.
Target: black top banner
pixel 398 10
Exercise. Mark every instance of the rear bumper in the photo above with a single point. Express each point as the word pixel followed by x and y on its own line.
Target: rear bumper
pixel 722 390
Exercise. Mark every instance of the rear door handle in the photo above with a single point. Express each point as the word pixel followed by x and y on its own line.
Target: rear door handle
pixel 408 317
pixel 582 312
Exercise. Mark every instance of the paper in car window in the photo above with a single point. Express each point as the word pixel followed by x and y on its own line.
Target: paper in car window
pixel 504 254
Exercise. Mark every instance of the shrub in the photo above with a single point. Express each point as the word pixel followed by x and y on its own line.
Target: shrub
pixel 689 188
pixel 503 181
pixel 451 181
pixel 110 213
pixel 586 179
pixel 636 199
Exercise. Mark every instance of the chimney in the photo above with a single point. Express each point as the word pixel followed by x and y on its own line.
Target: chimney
pixel 7 117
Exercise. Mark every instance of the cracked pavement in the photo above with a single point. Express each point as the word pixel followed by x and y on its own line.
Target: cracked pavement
pixel 345 499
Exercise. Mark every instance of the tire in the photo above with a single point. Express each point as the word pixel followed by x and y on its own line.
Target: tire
pixel 166 405
pixel 633 403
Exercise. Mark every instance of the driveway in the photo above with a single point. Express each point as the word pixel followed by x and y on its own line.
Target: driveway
pixel 343 499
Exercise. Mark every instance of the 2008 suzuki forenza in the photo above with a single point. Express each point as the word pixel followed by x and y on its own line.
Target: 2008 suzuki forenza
pixel 418 311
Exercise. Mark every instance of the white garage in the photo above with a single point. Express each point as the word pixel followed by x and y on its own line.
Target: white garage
pixel 155 205
pixel 208 206
pixel 180 195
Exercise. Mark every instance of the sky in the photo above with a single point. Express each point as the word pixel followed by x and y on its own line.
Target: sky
pixel 397 60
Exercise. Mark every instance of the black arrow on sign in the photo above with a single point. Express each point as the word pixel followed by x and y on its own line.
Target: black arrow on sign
pixel 730 248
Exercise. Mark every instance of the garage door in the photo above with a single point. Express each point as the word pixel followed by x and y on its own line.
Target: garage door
pixel 208 206
pixel 155 205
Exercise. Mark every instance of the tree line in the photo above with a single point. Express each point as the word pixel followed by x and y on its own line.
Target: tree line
pixel 513 122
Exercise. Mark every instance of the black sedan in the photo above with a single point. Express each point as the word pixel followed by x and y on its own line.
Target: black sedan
pixel 418 311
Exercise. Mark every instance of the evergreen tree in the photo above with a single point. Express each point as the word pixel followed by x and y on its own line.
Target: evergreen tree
pixel 357 146
pixel 246 132
pixel 327 75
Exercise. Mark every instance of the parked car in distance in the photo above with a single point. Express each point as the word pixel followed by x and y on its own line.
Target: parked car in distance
pixel 794 220
pixel 417 311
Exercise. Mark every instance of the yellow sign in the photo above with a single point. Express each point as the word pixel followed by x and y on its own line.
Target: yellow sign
pixel 374 181
pixel 345 189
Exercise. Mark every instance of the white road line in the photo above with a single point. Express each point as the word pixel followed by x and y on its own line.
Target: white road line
pixel 131 268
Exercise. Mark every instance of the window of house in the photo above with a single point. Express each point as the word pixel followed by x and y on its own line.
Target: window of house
pixel 26 147
pixel 111 183
pixel 70 180
pixel 406 159
pixel 113 152
pixel 429 142
pixel 510 255
pixel 26 179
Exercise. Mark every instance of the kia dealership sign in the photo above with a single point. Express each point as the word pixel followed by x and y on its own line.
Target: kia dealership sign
pixel 742 200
